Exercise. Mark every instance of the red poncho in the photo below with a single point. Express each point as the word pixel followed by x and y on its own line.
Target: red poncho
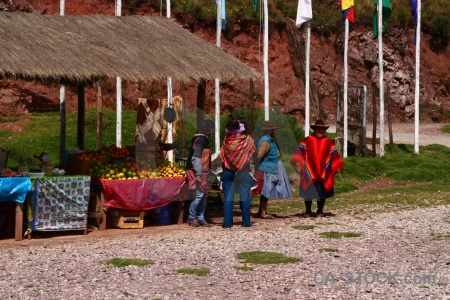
pixel 317 159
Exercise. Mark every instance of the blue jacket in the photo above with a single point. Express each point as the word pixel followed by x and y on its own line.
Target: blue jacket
pixel 269 163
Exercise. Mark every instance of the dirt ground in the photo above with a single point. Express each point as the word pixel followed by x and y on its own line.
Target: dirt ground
pixel 403 133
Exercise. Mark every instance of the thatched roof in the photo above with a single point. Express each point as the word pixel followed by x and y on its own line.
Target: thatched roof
pixel 84 48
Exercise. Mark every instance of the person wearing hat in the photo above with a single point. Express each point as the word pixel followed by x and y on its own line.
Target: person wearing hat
pixel 317 161
pixel 270 174
pixel 236 153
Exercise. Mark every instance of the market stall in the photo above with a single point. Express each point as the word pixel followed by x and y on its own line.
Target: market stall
pixel 58 203
pixel 132 197
pixel 15 189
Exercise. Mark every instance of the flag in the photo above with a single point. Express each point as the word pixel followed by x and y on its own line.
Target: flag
pixel 415 15
pixel 255 6
pixel 348 10
pixel 224 23
pixel 304 12
pixel 385 15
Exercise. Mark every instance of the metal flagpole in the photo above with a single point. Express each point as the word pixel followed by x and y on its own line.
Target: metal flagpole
pixel 380 65
pixel 308 45
pixel 266 61
pixel 417 89
pixel 169 102
pixel 346 88
pixel 119 92
pixel 217 82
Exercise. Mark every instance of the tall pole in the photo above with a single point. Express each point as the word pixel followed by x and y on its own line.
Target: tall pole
pixel 62 109
pixel 217 81
pixel 307 54
pixel 346 88
pixel 169 101
pixel 266 61
pixel 417 89
pixel 119 92
pixel 380 65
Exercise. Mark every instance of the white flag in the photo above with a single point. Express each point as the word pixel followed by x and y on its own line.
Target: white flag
pixel 304 12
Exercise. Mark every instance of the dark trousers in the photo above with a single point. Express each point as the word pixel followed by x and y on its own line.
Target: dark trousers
pixel 320 205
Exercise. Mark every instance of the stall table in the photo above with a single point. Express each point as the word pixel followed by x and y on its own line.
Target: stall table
pixel 140 195
pixel 58 203
pixel 15 189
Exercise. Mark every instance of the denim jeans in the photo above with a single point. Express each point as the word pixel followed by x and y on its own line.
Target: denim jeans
pixel 198 206
pixel 232 182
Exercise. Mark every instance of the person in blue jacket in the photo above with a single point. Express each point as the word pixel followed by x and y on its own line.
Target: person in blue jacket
pixel 270 174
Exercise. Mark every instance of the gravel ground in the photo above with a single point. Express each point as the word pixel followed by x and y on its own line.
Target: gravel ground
pixel 403 243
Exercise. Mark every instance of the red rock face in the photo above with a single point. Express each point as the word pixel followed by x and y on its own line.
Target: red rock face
pixel 287 91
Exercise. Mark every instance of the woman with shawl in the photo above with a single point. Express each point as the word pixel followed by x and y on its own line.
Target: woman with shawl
pixel 236 152
pixel 317 161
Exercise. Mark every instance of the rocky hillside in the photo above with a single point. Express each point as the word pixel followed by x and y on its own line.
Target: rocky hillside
pixel 286 70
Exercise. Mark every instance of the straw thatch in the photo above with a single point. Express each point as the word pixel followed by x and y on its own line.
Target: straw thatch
pixel 85 48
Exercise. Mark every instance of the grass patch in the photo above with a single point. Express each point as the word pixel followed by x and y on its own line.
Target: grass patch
pixel 198 272
pixel 338 235
pixel 303 227
pixel 261 257
pixel 329 250
pixel 440 236
pixel 123 262
pixel 243 268
pixel 326 223
pixel 445 128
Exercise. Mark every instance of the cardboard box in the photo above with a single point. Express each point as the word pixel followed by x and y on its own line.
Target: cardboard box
pixel 126 219
pixel 77 166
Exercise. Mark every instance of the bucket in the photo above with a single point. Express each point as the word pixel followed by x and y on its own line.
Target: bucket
pixel 162 215
pixel 3 158
pixel 48 170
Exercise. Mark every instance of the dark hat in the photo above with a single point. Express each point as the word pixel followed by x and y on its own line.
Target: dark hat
pixel 269 125
pixel 319 124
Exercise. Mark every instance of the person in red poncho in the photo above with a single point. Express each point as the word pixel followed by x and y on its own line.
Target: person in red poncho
pixel 317 161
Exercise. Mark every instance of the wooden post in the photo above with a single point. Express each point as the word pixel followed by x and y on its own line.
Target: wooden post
pixel 201 98
pixel 251 96
pixel 183 120
pixel 180 212
pixel 99 115
pixel 19 222
pixel 374 122
pixel 81 117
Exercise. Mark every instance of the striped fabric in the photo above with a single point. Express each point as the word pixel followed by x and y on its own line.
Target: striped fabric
pixel 237 150
pixel 318 159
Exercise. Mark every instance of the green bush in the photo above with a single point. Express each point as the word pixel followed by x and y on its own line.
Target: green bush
pixel 439 31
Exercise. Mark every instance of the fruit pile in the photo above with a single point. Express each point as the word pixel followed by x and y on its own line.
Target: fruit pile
pixel 117 153
pixel 131 170
pixel 111 152
pixel 94 155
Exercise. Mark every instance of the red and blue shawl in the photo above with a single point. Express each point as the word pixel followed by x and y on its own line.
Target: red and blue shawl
pixel 318 159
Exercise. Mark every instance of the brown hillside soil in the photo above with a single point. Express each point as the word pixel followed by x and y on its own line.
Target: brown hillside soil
pixel 286 90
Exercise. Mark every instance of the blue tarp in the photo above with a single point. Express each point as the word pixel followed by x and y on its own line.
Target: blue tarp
pixel 14 189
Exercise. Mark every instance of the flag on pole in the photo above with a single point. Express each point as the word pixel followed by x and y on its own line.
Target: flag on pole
pixel 414 13
pixel 224 23
pixel 348 10
pixel 385 15
pixel 255 6
pixel 304 12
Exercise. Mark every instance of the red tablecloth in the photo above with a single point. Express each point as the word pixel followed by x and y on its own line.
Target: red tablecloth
pixel 143 194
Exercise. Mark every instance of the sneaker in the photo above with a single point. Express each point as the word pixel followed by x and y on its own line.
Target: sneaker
pixel 203 223
pixel 193 222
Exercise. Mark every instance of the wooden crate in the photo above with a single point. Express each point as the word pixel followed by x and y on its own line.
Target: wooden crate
pixel 126 219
